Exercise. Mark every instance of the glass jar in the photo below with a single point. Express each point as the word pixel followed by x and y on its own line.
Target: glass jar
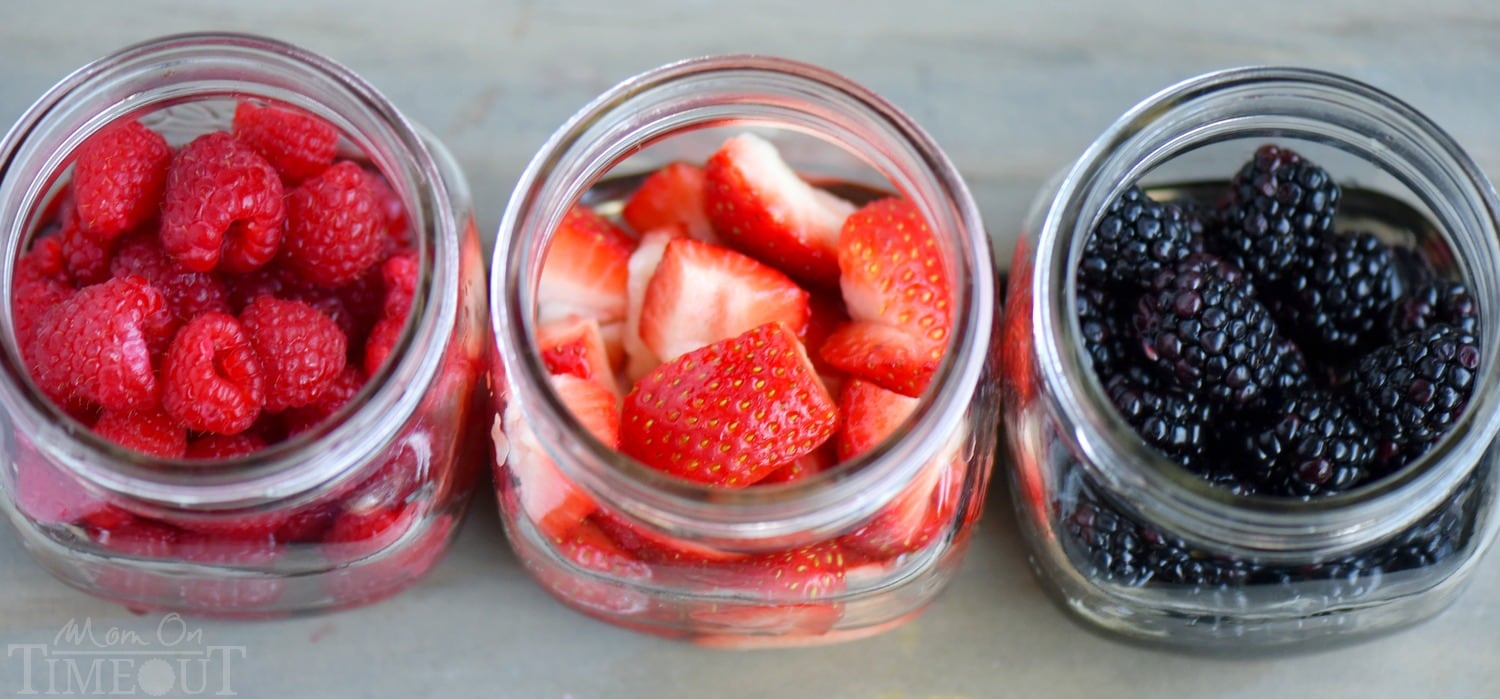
pixel 354 508
pixel 830 131
pixel 1212 569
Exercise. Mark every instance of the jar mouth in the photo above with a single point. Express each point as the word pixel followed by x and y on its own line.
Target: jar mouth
pixel 753 91
pixel 1285 104
pixel 199 68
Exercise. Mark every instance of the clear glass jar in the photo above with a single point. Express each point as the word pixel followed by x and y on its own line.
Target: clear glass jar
pixel 1274 572
pixel 252 535
pixel 829 130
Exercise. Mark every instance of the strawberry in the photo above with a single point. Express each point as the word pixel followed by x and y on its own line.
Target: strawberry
pixel 671 196
pixel 643 263
pixel 893 274
pixel 585 270
pixel 702 293
pixel 586 547
pixel 575 346
pixel 548 497
pixel 759 204
pixel 871 414
pixel 810 464
pixel 729 413
pixel 655 547
pixel 794 585
pixel 882 354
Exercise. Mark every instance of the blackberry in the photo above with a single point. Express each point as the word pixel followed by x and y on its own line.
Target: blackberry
pixel 1293 372
pixel 1338 297
pixel 1437 301
pixel 1136 239
pixel 1312 446
pixel 1279 207
pixel 1411 392
pixel 1201 325
pixel 1175 423
pixel 1127 553
pixel 1104 321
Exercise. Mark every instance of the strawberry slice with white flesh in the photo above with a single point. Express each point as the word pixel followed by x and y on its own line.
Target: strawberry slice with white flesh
pixel 575 346
pixel 639 358
pixel 585 271
pixel 761 206
pixel 550 499
pixel 703 293
pixel 671 196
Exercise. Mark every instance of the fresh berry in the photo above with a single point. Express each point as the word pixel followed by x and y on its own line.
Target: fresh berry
pixel 870 415
pixel 603 562
pixel 586 269
pixel 297 144
pixel 759 205
pixel 810 464
pixel 97 345
pixel 1313 446
pixel 189 294
pixel 729 413
pixel 575 347
pixel 882 354
pixel 330 400
pixel 702 293
pixel 1279 208
pixel 1104 320
pixel 225 446
pixel 642 267
pixel 85 256
pixel 149 431
pixel 1173 422
pixel 671 196
pixel 655 547
pixel 399 279
pixel 549 499
pixel 333 226
pixel 309 524
pixel 1200 325
pixel 1413 391
pixel 1433 302
pixel 1124 552
pixel 118 178
pixel 1336 298
pixel 1136 239
pixel 223 207
pixel 301 350
pixel 40 284
pixel 809 574
pixel 212 380
pixel 356 535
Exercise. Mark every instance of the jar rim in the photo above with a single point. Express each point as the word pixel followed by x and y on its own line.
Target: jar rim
pixel 1136 143
pixel 820 504
pixel 305 464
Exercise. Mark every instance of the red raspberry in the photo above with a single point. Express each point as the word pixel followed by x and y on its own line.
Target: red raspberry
pixel 150 431
pixel 135 536
pixel 40 283
pixel 392 214
pixel 225 446
pixel 333 231
pixel 119 177
pixel 382 341
pixel 97 345
pixel 189 294
pixel 307 525
pixel 297 144
pixel 300 349
pixel 212 380
pixel 329 400
pixel 274 280
pixel 357 535
pixel 399 276
pixel 86 257
pixel 222 207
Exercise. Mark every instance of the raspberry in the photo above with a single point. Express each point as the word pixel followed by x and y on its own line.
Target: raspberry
pixel 297 144
pixel 40 284
pixel 274 280
pixel 97 345
pixel 333 231
pixel 1411 392
pixel 392 214
pixel 224 446
pixel 382 341
pixel 150 431
pixel 212 380
pixel 310 524
pixel 86 257
pixel 1136 239
pixel 189 294
pixel 356 535
pixel 301 350
pixel 334 396
pixel 1336 297
pixel 399 276
pixel 119 177
pixel 222 207
pixel 1279 208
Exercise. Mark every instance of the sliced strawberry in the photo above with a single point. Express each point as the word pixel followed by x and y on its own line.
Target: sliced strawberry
pixel 585 270
pixel 671 196
pixel 729 413
pixel 552 501
pixel 611 589
pixel 575 346
pixel 811 464
pixel 795 586
pixel 702 293
pixel 643 263
pixel 871 414
pixel 887 356
pixel 655 547
pixel 759 204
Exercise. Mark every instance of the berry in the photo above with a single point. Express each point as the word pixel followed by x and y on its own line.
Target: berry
pixel 149 431
pixel 225 446
pixel 1279 208
pixel 884 355
pixel 1412 392
pixel 85 256
pixel 301 350
pixel 356 535
pixel 1336 298
pixel 575 347
pixel 189 294
pixel 97 345
pixel 1201 326
pixel 297 144
pixel 549 499
pixel 671 196
pixel 585 270
pixel 729 413
pixel 1439 301
pixel 1136 239
pixel 870 415
pixel 1104 321
pixel 1128 553
pixel 640 269
pixel 334 396
pixel 399 279
pixel 1313 446
pixel 333 226
pixel 212 380
pixel 118 178
pixel 893 272
pixel 759 205
pixel 1175 423
pixel 40 283
pixel 223 207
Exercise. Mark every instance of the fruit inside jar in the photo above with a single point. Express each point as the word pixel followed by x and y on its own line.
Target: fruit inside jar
pixel 728 321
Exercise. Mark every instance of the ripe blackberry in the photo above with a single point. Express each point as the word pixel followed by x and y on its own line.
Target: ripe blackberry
pixel 1312 446
pixel 1279 208
pixel 1294 373
pixel 1201 325
pixel 1136 239
pixel 1104 320
pixel 1337 297
pixel 1412 391
pixel 1173 422
pixel 1127 553
pixel 1437 301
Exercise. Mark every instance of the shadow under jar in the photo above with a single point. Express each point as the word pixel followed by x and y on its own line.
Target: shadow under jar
pixel 763 565
pixel 337 502
pixel 1134 544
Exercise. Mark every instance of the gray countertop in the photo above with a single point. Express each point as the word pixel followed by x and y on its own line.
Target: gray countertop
pixel 1012 91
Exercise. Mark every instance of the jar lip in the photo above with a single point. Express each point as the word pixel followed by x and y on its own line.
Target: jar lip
pixel 705 512
pixel 1081 407
pixel 304 464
